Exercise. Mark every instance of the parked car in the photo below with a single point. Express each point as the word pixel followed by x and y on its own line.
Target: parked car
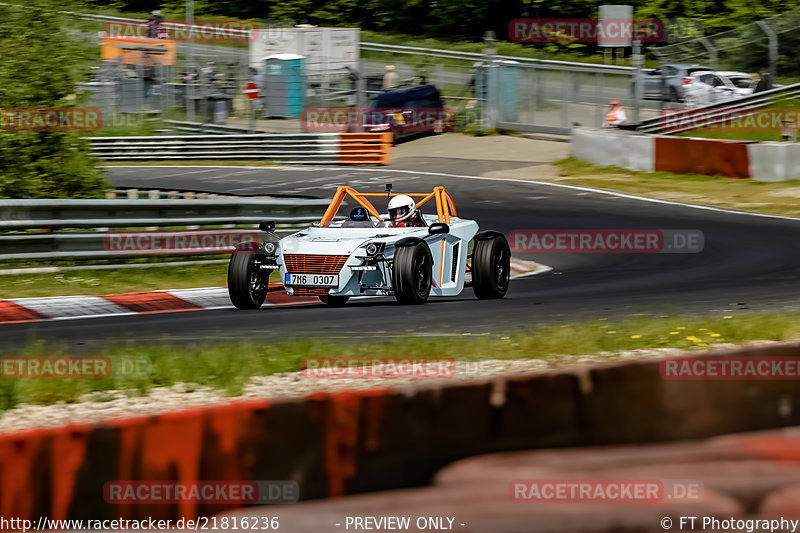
pixel 667 82
pixel 407 111
pixel 707 88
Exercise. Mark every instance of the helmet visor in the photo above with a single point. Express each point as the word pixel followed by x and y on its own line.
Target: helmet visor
pixel 399 213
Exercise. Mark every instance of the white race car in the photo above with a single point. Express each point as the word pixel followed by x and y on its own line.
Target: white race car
pixel 404 253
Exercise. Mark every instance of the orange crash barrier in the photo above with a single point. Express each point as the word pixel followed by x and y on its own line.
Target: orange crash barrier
pixel 713 157
pixel 364 148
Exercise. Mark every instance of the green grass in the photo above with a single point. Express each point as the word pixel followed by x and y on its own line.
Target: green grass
pixel 228 367
pixel 779 198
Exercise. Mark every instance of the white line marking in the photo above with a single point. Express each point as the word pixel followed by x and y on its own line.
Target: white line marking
pixel 513 180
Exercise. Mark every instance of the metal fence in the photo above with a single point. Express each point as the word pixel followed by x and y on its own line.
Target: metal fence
pixel 772 44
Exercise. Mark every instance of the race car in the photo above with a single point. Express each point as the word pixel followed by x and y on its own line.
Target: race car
pixel 403 253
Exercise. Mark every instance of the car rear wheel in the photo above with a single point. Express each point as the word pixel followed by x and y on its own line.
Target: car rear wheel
pixel 247 281
pixel 334 301
pixel 411 273
pixel 491 266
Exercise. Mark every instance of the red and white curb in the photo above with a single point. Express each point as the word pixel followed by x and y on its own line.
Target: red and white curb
pixel 72 307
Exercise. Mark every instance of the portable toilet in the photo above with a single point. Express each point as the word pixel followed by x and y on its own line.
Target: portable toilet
pixel 284 85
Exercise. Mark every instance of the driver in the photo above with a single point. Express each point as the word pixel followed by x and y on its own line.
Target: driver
pixel 404 213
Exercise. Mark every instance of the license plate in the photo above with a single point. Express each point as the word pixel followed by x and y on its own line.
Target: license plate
pixel 312 280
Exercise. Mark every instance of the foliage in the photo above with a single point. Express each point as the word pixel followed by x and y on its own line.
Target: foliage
pixel 41 61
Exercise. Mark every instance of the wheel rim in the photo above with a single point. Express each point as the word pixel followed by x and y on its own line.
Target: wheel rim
pixel 501 258
pixel 420 273
pixel 257 282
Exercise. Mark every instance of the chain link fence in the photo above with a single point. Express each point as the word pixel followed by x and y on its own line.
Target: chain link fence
pixel 771 44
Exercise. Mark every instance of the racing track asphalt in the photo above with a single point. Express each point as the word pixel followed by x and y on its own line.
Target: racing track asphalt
pixel 749 262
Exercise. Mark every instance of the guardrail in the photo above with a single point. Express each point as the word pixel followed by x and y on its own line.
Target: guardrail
pixel 148 217
pixel 200 127
pixel 301 148
pixel 717 113
pixel 475 56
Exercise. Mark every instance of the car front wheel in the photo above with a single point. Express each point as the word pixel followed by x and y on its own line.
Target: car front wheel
pixel 411 273
pixel 247 281
pixel 491 266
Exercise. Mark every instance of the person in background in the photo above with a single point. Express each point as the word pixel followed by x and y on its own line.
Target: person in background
pixel 389 78
pixel 765 84
pixel 615 116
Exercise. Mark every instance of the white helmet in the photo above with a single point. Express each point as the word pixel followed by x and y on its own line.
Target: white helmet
pixel 401 207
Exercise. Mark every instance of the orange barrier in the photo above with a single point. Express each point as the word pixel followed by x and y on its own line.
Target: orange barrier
pixel 361 441
pixel 713 157
pixel 364 148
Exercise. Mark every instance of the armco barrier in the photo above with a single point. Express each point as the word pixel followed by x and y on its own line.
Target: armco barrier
pixel 301 148
pixel 333 444
pixel 763 161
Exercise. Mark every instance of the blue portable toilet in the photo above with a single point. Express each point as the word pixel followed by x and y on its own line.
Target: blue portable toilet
pixel 284 85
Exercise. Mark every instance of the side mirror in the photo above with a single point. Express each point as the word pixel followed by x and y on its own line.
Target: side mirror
pixel 267 225
pixel 437 228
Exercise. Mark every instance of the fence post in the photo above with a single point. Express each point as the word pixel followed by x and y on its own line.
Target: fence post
pixel 773 47
pixel 712 52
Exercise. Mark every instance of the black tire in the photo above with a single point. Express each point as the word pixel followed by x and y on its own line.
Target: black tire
pixel 334 301
pixel 491 267
pixel 247 282
pixel 411 273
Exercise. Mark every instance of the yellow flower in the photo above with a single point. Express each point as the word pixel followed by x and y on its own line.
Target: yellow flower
pixel 680 327
pixel 692 338
pixel 714 334
pixel 703 329
pixel 674 332
pixel 702 344
pixel 636 336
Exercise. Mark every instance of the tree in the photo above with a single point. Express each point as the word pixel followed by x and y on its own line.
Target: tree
pixel 42 58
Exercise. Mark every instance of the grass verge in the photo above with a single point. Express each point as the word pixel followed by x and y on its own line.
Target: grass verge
pixel 228 367
pixel 777 198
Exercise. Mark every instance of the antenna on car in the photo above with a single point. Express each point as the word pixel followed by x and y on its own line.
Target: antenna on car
pixel 388 190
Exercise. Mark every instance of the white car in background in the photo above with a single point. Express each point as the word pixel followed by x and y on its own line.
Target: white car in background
pixel 708 88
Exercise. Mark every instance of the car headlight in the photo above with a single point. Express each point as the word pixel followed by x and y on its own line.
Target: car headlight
pixel 372 248
pixel 270 247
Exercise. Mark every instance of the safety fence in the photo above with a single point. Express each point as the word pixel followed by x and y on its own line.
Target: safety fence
pixel 718 113
pixel 301 148
pixel 762 161
pixel 155 230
